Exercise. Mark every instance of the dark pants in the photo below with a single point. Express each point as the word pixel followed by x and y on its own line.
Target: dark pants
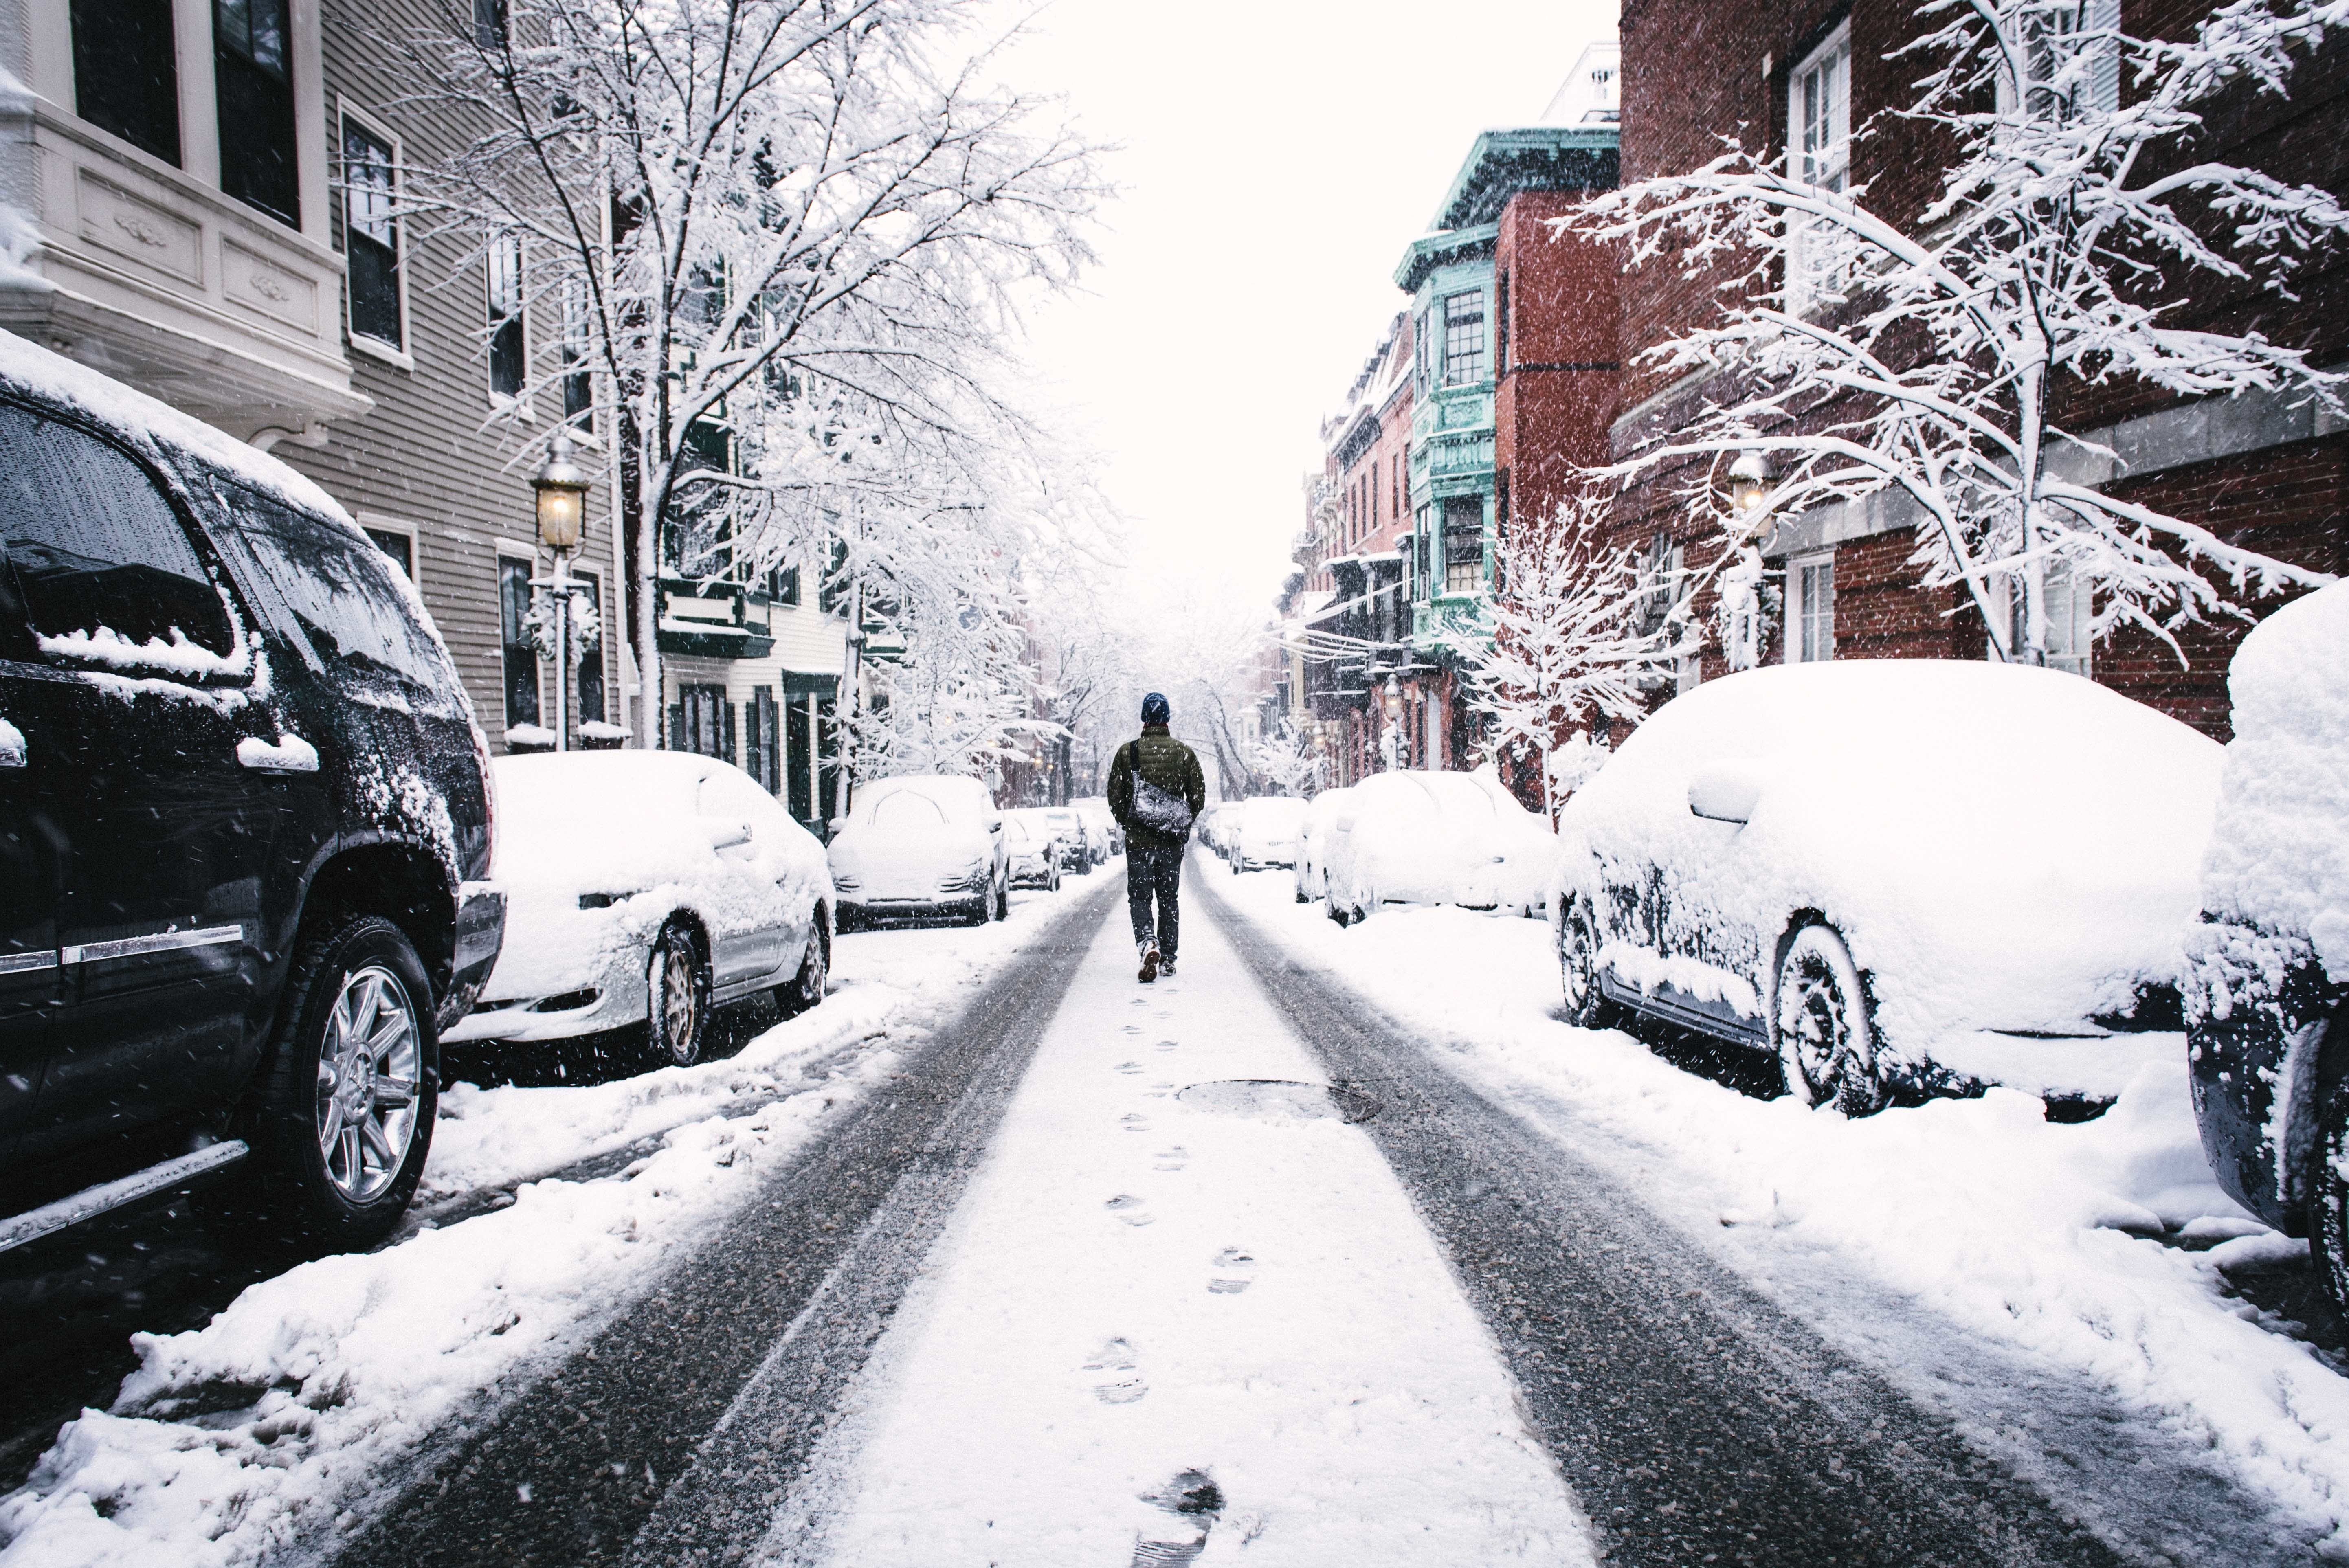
pixel 1155 870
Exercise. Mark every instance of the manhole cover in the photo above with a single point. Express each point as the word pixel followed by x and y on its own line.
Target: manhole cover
pixel 1280 1099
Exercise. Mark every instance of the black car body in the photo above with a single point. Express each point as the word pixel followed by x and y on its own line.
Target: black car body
pixel 2268 998
pixel 226 726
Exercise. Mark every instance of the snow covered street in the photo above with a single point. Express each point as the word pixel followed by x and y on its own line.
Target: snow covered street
pixel 1181 1260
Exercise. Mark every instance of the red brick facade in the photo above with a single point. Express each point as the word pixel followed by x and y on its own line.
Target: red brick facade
pixel 1696 70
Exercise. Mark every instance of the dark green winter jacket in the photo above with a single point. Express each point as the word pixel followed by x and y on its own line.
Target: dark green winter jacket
pixel 1172 766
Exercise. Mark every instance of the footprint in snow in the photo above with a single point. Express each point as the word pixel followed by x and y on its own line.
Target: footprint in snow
pixel 1127 1207
pixel 1133 1124
pixel 1173 1158
pixel 1129 1067
pixel 1168 1045
pixel 1234 1272
pixel 1119 1385
pixel 1194 1504
pixel 1132 1029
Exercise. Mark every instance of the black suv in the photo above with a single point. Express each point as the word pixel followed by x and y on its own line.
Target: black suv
pixel 245 815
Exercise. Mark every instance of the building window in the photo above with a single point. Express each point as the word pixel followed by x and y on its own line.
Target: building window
pixel 1463 338
pixel 1501 324
pixel 1464 544
pixel 508 350
pixel 578 381
pixel 520 649
pixel 490 23
pixel 589 682
pixel 127 72
pixel 2056 40
pixel 1818 154
pixel 1422 347
pixel 401 547
pixel 371 234
pixel 2067 603
pixel 253 79
pixel 702 721
pixel 1811 637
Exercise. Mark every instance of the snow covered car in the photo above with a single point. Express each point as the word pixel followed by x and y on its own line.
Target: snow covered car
pixel 1907 875
pixel 1267 832
pixel 1419 837
pixel 648 888
pixel 1313 838
pixel 921 846
pixel 1031 853
pixel 1066 825
pixel 1101 829
pixel 245 821
pixel 2268 994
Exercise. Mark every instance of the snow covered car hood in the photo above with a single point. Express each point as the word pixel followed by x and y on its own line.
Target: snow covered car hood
pixel 628 826
pixel 2002 848
pixel 872 861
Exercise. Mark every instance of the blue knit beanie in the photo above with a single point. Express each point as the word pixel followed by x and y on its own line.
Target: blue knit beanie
pixel 1154 709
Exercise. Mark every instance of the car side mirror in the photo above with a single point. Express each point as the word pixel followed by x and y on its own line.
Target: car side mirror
pixel 996 826
pixel 1346 821
pixel 1725 791
pixel 839 824
pixel 726 835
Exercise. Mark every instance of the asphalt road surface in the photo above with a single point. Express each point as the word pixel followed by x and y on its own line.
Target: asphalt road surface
pixel 801 1284
pixel 1695 1421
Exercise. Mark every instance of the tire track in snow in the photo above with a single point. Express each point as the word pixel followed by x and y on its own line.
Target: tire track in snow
pixel 1695 1421
pixel 567 1474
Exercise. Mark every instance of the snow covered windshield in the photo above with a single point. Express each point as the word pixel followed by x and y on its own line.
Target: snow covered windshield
pixel 904 808
pixel 99 556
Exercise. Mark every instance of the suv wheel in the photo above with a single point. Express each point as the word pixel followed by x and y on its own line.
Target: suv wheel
pixel 1819 1019
pixel 1577 964
pixel 677 978
pixel 345 1112
pixel 806 989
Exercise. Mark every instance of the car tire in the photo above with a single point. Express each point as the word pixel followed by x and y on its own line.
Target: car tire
pixel 1820 1024
pixel 2328 1196
pixel 806 988
pixel 1578 963
pixel 1002 909
pixel 676 985
pixel 354 1034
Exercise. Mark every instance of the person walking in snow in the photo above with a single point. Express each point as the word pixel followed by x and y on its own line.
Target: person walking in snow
pixel 1156 791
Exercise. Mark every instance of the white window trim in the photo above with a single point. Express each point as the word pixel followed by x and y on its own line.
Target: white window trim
pixel 1792 653
pixel 1836 46
pixel 404 356
pixel 2076 652
pixel 382 524
pixel 514 550
pixel 523 407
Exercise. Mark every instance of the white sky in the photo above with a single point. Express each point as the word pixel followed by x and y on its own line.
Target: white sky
pixel 1275 159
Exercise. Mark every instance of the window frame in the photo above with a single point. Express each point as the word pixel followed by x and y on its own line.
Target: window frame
pixel 398 355
pixel 574 333
pixel 510 553
pixel 1831 169
pixel 519 401
pixel 1479 360
pixel 375 522
pixel 1801 618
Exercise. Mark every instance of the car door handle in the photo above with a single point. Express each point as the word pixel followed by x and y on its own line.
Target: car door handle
pixel 12 746
pixel 291 754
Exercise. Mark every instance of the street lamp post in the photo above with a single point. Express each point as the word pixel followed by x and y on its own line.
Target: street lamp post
pixel 1749 487
pixel 1391 743
pixel 562 487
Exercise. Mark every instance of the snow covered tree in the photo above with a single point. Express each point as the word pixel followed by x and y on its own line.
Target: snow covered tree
pixel 1936 359
pixel 1581 633
pixel 1286 760
pixel 788 239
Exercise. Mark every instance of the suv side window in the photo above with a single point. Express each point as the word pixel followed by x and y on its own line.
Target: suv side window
pixel 104 569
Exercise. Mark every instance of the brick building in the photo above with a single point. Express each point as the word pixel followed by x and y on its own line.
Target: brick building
pixel 1494 383
pixel 2255 471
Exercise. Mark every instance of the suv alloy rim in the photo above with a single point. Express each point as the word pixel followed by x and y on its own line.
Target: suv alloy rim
pixel 367 1074
pixel 1574 962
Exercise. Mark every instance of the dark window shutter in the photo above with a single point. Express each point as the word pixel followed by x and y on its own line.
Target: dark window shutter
pixel 726 752
pixel 676 726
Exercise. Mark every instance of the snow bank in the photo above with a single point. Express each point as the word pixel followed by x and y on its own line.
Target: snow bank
pixel 275 1422
pixel 2279 856
pixel 2032 1235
